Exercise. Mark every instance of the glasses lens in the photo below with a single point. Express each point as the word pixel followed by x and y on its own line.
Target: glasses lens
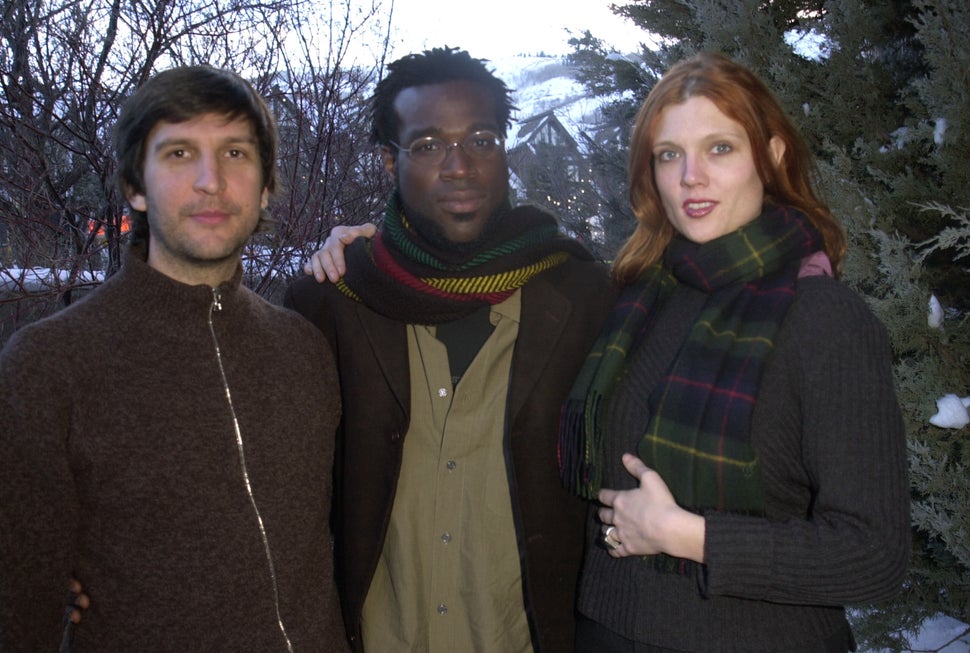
pixel 428 150
pixel 481 145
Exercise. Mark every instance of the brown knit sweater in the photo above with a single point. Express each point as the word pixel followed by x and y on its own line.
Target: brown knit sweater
pixel 119 463
pixel 829 435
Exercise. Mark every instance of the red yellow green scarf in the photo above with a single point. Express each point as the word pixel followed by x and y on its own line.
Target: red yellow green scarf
pixel 400 275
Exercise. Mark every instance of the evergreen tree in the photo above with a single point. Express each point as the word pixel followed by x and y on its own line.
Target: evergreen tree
pixel 623 82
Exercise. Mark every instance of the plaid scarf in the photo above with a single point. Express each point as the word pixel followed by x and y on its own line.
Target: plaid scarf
pixel 401 275
pixel 698 433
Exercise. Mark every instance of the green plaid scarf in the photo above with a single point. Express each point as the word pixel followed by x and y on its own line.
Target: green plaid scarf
pixel 401 275
pixel 698 434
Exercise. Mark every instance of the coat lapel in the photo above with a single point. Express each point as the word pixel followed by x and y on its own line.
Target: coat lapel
pixel 388 342
pixel 545 314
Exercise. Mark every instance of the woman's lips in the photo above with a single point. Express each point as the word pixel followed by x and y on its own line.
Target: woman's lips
pixel 698 208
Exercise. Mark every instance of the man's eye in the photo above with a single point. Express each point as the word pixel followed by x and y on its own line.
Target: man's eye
pixel 426 147
pixel 483 144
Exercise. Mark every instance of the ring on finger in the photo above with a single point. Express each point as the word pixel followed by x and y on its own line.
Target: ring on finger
pixel 610 539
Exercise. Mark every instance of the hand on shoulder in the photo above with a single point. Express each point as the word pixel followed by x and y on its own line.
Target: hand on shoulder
pixel 328 263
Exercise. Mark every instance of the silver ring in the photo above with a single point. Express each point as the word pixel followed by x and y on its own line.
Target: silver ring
pixel 609 539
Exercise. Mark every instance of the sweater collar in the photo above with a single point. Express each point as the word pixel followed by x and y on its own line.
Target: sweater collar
pixel 155 285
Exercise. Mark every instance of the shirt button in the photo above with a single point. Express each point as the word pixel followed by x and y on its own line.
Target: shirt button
pixel 442 608
pixel 446 537
pixel 442 392
pixel 451 465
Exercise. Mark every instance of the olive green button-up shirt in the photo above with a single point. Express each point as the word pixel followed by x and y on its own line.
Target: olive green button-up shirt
pixel 449 578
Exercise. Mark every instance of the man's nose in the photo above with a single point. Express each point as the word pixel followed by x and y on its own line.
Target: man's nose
pixel 457 163
pixel 209 175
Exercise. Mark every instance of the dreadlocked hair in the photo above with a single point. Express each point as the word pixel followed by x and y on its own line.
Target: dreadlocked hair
pixel 435 66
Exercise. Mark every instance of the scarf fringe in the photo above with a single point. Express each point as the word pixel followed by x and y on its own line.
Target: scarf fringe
pixel 580 455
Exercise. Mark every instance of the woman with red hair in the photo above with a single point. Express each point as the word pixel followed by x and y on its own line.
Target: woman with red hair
pixel 736 421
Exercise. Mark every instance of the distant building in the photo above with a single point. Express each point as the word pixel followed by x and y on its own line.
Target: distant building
pixel 550 169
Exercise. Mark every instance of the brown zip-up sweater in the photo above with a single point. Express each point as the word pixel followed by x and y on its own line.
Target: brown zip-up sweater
pixel 180 468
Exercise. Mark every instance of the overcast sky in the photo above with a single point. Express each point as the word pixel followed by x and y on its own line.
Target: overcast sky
pixel 501 28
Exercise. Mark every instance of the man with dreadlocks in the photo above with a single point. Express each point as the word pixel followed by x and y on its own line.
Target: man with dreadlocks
pixel 458 331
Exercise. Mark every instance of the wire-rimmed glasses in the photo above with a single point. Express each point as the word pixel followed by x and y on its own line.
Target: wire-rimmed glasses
pixel 432 151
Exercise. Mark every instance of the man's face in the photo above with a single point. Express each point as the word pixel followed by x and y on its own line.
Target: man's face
pixel 451 203
pixel 203 195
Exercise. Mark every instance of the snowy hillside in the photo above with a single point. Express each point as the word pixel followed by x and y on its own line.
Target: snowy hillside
pixel 541 84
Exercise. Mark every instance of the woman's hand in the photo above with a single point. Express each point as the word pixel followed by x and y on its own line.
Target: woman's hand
pixel 328 262
pixel 647 520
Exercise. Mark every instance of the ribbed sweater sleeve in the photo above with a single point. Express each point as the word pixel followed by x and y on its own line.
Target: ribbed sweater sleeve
pixel 829 433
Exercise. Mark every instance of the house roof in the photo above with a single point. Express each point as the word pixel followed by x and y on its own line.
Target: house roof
pixel 527 130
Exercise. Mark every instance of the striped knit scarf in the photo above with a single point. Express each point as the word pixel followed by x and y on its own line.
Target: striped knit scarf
pixel 402 276
pixel 698 433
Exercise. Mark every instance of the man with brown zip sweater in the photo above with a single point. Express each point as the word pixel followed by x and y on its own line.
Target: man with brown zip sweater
pixel 169 438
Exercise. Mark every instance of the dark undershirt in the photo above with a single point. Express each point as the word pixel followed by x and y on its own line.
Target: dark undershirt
pixel 463 338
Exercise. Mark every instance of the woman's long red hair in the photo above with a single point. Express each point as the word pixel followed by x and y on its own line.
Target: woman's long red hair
pixel 744 98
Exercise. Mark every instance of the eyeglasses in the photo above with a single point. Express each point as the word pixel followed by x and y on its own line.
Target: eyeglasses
pixel 432 151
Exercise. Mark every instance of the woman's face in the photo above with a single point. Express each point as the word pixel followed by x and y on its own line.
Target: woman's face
pixel 704 170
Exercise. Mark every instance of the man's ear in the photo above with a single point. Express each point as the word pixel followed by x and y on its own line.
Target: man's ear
pixel 136 200
pixel 389 157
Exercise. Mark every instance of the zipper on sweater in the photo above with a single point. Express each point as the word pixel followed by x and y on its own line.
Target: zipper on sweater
pixel 215 307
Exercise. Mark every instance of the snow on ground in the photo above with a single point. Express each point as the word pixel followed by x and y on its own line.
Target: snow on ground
pixel 42 279
pixel 940 634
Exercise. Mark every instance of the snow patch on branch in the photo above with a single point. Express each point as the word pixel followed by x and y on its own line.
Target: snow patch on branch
pixel 935 317
pixel 953 412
